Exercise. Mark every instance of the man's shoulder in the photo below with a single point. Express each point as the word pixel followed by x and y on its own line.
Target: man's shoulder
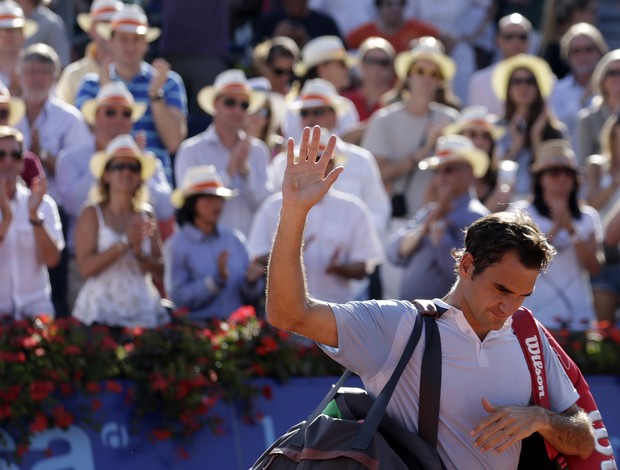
pixel 203 138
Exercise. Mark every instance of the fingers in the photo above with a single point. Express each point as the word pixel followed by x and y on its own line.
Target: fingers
pixel 303 147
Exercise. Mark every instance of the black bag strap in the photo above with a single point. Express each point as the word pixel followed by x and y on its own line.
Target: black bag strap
pixel 430 384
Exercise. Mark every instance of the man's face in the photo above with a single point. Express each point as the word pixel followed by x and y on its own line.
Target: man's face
pixel 112 121
pixel 391 11
pixel 128 49
pixel 453 179
pixel 512 40
pixel 11 40
pixel 336 72
pixel 209 208
pixel 322 116
pixel 491 297
pixel 583 55
pixel 36 79
pixel 11 163
pixel 231 110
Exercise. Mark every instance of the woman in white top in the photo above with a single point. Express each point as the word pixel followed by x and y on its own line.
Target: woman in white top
pixel 563 297
pixel 117 243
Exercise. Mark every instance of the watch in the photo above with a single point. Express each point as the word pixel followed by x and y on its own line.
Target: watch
pixel 38 222
pixel 159 95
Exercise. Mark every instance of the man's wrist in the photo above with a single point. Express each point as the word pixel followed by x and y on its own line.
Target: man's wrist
pixel 157 95
pixel 36 221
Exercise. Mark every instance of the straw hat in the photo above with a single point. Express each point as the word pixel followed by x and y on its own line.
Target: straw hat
pixel 129 19
pixel 232 81
pixel 123 146
pixel 12 17
pixel 555 153
pixel 457 148
pixel 200 179
pixel 17 107
pixel 114 94
pixel 318 92
pixel 425 48
pixel 475 117
pixel 100 11
pixel 601 69
pixel 539 68
pixel 320 50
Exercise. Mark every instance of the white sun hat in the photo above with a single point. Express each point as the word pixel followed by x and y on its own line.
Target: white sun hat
pixel 200 179
pixel 231 81
pixel 123 146
pixel 100 11
pixel 129 19
pixel 457 148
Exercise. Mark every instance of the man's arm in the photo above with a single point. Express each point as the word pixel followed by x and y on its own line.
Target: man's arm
pixel 570 432
pixel 288 304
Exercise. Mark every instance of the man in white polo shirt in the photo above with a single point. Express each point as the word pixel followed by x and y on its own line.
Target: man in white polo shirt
pixel 484 410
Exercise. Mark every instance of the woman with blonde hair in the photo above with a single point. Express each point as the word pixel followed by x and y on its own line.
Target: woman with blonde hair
pixel 117 243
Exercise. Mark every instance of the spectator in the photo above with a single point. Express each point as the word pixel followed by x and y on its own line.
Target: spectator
pixel 606 101
pixel 51 28
pixel 563 296
pixel 111 114
pixel 241 160
pixel 376 70
pixel 582 46
pixel 208 271
pixel 30 235
pixel 513 38
pixel 294 19
pixel 523 83
pixel 326 58
pixel 424 247
pixel 161 89
pixel 266 122
pixel 98 55
pixel 337 253
pixel 480 127
pixel 14 30
pixel 118 248
pixel 274 59
pixel 390 24
pixel 347 14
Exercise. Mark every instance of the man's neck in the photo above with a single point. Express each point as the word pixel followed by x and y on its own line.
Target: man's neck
pixel 33 109
pixel 127 72
pixel 418 105
pixel 228 135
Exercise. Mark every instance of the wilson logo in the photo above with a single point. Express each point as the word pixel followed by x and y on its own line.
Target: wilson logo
pixel 533 349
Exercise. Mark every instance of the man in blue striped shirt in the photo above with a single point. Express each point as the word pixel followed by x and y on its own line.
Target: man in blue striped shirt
pixel 162 90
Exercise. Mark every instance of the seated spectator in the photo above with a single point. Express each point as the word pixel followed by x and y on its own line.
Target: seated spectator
pixel 341 242
pixel 30 235
pixel 207 269
pixel 326 58
pixel 606 101
pixel 424 247
pixel 582 47
pixel 523 83
pixel 480 127
pixel 390 24
pixel 161 89
pixel 117 243
pixel 563 296
pixel 376 76
pixel 294 19
pixel 274 59
pixel 14 30
pixel 240 159
pixel 98 54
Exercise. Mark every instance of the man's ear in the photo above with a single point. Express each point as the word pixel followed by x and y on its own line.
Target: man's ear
pixel 466 266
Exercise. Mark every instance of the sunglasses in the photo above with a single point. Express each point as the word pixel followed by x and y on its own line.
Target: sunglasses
pixel 556 172
pixel 14 154
pixel 425 72
pixel 112 113
pixel 4 113
pixel 474 134
pixel 448 169
pixel 513 36
pixel 377 61
pixel 132 167
pixel 612 73
pixel 281 72
pixel 583 50
pixel 316 112
pixel 515 81
pixel 231 103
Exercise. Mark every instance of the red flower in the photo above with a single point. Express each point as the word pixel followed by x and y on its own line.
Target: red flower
pixel 161 434
pixel 267 392
pixel 108 344
pixel 93 387
pixel 113 386
pixel 72 350
pixel 39 424
pixel 183 389
pixel 242 315
pixel 9 356
pixel 63 418
pixel 5 412
pixel 158 382
pixel 41 389
pixel 66 389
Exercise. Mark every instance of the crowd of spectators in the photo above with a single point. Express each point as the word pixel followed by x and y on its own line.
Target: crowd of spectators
pixel 146 164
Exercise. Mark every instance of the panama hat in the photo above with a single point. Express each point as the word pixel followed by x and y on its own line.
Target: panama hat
pixel 320 50
pixel 427 48
pixel 601 69
pixel 129 19
pixel 554 153
pixel 17 107
pixel 200 179
pixel 112 93
pixel 539 68
pixel 475 117
pixel 457 148
pixel 123 146
pixel 100 11
pixel 318 92
pixel 12 17
pixel 232 81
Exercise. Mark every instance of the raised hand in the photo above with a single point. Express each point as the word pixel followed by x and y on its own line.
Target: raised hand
pixel 305 182
pixel 38 189
pixel 160 75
